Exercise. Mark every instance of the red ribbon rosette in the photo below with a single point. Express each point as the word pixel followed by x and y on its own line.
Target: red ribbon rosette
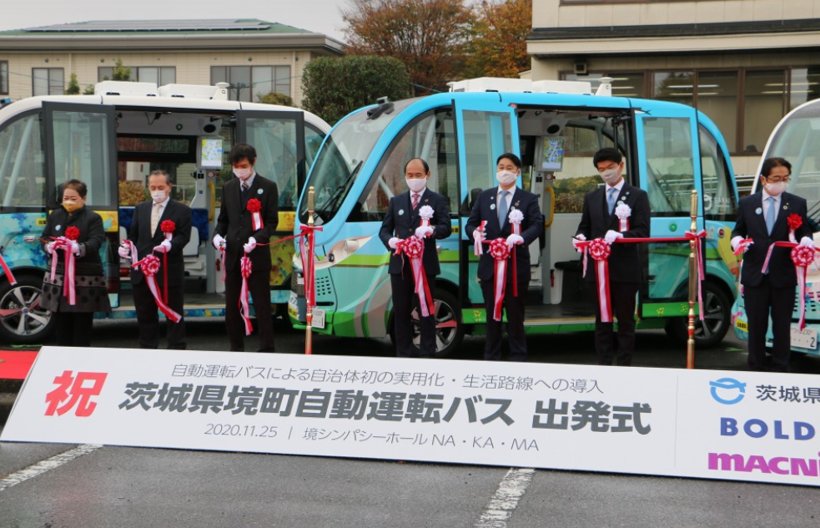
pixel 167 227
pixel 413 247
pixel 72 232
pixel 599 250
pixel 149 266
pixel 500 252
pixel 795 221
pixel 802 256
pixel 254 207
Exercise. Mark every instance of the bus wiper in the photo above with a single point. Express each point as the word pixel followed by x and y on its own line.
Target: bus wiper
pixel 332 202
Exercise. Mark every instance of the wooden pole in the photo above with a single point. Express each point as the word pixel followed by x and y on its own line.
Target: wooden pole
pixel 693 281
pixel 307 276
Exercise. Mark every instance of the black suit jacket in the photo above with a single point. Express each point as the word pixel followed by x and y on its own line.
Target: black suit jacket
pixel 234 222
pixel 624 261
pixel 140 234
pixel 751 223
pixel 532 226
pixel 401 221
pixel 92 237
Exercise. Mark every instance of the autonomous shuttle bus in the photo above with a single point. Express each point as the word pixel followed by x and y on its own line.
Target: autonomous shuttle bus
pixel 112 140
pixel 555 127
pixel 797 139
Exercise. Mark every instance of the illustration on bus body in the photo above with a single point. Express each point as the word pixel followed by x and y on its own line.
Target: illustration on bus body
pixel 113 140
pixel 670 149
pixel 797 139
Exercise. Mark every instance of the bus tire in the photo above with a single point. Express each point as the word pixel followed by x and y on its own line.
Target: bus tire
pixel 25 322
pixel 717 319
pixel 449 328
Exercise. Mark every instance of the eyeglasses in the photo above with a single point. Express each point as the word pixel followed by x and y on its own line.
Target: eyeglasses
pixel 777 179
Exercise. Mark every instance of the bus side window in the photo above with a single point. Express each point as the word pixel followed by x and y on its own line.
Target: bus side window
pixel 22 171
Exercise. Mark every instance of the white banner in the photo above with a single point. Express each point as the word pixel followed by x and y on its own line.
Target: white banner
pixel 709 424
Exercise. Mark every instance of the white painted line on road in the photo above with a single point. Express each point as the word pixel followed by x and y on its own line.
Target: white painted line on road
pixel 48 464
pixel 502 505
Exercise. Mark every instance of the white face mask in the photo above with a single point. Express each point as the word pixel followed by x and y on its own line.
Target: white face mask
pixel 158 196
pixel 610 176
pixel 506 178
pixel 416 184
pixel 775 189
pixel 243 174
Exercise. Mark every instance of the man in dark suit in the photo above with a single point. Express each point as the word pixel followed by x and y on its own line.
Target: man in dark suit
pixel 402 221
pixel 236 234
pixel 763 217
pixel 146 234
pixel 493 206
pixel 599 220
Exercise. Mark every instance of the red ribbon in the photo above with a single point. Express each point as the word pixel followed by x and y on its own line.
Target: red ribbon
pixel 595 248
pixel 246 268
pixel 167 227
pixel 149 266
pixel 500 252
pixel 413 247
pixel 254 206
pixel 802 257
pixel 306 251
pixel 7 271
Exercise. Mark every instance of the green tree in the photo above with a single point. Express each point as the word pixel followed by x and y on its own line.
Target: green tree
pixel 276 98
pixel 73 87
pixel 332 87
pixel 89 90
pixel 499 44
pixel 430 37
pixel 120 73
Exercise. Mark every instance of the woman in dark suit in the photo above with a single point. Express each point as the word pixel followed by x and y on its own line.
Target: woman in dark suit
pixel 83 230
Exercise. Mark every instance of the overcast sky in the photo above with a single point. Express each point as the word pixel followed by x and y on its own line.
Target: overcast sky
pixel 320 16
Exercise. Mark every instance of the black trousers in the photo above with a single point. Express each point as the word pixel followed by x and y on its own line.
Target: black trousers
pixel 759 302
pixel 148 316
pixel 514 306
pixel 259 287
pixel 73 328
pixel 619 345
pixel 404 300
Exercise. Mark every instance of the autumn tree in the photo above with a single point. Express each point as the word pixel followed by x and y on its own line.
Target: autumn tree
pixel 333 87
pixel 430 37
pixel 499 44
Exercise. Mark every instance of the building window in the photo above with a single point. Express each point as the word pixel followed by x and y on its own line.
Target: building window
pixel 4 77
pixel 249 83
pixel 160 75
pixel 764 101
pixel 804 85
pixel 47 81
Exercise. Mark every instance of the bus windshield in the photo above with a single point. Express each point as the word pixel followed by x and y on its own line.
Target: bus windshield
pixel 798 140
pixel 342 155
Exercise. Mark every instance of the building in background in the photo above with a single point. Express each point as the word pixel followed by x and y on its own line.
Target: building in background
pixel 254 56
pixel 745 63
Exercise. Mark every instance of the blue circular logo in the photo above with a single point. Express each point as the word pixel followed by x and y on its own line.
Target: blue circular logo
pixel 727 391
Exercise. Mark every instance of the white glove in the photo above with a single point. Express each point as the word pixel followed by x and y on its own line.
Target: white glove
pixel 514 240
pixel 218 241
pixel 50 247
pixel 75 247
pixel 576 239
pixel 250 245
pixel 807 241
pixel 163 247
pixel 393 242
pixel 124 251
pixel 611 236
pixel 424 231
pixel 478 236
pixel 736 242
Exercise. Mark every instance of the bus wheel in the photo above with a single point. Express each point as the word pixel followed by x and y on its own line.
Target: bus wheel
pixel 449 328
pixel 22 320
pixel 716 319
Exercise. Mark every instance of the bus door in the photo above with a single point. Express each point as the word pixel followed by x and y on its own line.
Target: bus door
pixel 279 140
pixel 80 142
pixel 667 145
pixel 485 129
